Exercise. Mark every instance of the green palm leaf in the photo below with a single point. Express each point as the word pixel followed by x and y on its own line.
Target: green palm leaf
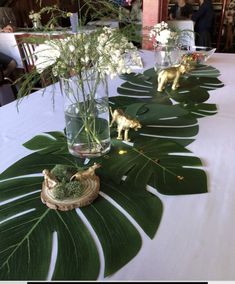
pixel 194 86
pixel 162 121
pixel 166 165
pixel 201 110
pixel 37 232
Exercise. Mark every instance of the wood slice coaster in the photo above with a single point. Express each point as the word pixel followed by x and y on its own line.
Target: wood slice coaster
pixel 90 191
pixel 91 188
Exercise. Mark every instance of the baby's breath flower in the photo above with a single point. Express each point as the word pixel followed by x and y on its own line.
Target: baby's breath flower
pixel 34 16
pixel 106 51
pixel 72 48
pixel 163 34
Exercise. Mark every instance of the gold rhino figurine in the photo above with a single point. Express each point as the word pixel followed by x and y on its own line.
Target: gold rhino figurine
pixel 171 74
pixel 124 123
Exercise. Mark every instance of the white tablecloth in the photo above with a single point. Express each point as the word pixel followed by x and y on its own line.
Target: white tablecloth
pixel 196 237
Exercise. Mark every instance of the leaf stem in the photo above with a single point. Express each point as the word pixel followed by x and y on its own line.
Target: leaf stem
pixel 164 168
pixel 6 262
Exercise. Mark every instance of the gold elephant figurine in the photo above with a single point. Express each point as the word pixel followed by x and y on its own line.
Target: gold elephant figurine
pixel 171 74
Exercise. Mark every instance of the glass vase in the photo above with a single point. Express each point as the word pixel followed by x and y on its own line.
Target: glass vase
pixel 166 56
pixel 86 115
pixel 74 22
pixel 37 24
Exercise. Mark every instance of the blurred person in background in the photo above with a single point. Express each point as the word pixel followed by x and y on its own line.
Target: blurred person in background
pixel 7 29
pixel 181 10
pixel 204 23
pixel 7 67
pixel 7 20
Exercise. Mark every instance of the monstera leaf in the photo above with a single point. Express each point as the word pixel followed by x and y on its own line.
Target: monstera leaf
pixel 163 164
pixel 194 86
pixel 31 233
pixel 163 121
pixel 201 110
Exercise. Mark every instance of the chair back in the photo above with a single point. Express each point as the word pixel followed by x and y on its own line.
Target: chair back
pixel 26 44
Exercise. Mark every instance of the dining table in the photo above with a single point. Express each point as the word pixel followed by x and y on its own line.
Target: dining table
pixel 195 240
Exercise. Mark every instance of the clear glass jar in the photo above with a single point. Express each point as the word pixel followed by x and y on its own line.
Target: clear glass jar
pixel 166 56
pixel 37 24
pixel 86 116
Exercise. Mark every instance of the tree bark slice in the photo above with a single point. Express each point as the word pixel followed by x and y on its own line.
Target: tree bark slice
pixel 91 187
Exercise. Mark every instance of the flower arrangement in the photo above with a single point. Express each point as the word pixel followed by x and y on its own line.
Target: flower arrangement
pixel 164 40
pixel 169 43
pixel 161 33
pixel 54 13
pixel 36 19
pixel 34 16
pixel 105 51
pixel 82 62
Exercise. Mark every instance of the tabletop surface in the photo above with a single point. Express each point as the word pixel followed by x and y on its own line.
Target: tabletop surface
pixel 195 240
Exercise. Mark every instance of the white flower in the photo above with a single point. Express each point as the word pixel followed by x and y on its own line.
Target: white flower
pixel 72 48
pixel 34 16
pixel 161 33
pixel 164 36
pixel 107 52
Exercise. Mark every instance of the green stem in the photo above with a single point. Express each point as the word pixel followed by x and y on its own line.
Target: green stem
pixel 86 106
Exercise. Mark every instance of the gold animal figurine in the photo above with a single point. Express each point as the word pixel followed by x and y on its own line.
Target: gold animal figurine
pixel 90 172
pixel 171 74
pixel 124 123
pixel 49 179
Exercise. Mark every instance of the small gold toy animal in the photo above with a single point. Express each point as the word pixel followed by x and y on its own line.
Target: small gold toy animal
pixel 124 123
pixel 171 74
pixel 85 174
pixel 49 179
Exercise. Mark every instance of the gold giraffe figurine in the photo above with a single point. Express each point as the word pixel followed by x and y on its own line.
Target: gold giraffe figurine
pixel 171 74
pixel 124 123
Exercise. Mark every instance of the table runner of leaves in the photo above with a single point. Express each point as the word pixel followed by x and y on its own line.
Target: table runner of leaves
pixel 29 231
